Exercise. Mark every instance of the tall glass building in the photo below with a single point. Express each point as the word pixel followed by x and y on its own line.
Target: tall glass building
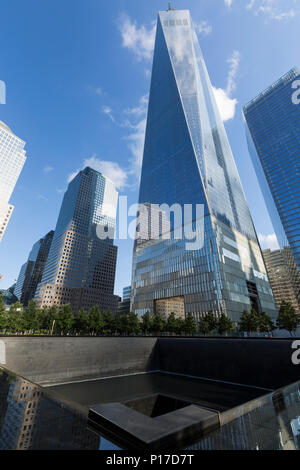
pixel 273 134
pixel 32 271
pixel 12 159
pixel 284 276
pixel 81 265
pixel 124 304
pixel 188 160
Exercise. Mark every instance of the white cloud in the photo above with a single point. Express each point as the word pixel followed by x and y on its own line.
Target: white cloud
pixel 71 176
pixel 268 241
pixel 250 4
pixel 203 28
pixel 228 3
pixel 99 91
pixel 136 145
pixel 136 136
pixel 226 104
pixel 278 10
pixel 47 169
pixel 43 198
pixel 141 109
pixel 135 122
pixel 138 39
pixel 108 111
pixel 234 62
pixel 109 169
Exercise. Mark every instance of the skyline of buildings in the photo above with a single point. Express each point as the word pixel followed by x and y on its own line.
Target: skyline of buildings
pixel 80 269
pixel 284 276
pixel 229 275
pixel 32 271
pixel 188 160
pixel 12 160
pixel 124 303
pixel 273 134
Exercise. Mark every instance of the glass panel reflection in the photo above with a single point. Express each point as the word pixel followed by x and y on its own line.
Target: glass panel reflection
pixel 30 418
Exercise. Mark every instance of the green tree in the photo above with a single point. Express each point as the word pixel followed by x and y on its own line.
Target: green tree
pixel 81 323
pixel 49 319
pixel 15 318
pixel 171 325
pixel 110 323
pixel 133 324
pixel 65 319
pixel 16 307
pixel 121 324
pixel 2 305
pixel 3 314
pixel 266 324
pixel 180 326
pixel 212 322
pixel 287 318
pixel 95 321
pixel 146 322
pixel 30 316
pixel 190 326
pixel 224 325
pixel 158 324
pixel 203 325
pixel 249 322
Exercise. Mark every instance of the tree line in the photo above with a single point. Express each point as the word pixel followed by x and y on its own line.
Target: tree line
pixel 50 320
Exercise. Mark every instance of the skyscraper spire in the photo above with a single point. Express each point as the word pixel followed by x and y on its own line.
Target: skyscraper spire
pixel 188 161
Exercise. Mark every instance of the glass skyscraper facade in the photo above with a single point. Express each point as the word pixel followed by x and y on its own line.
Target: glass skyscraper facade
pixel 284 276
pixel 32 271
pixel 124 304
pixel 80 268
pixel 188 160
pixel 12 159
pixel 273 134
pixel 126 293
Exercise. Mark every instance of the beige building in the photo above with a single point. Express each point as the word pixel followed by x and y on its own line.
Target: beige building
pixel 12 159
pixel 81 265
pixel 284 276
pixel 164 307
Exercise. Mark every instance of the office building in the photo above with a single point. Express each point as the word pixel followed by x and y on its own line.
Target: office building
pixel 124 304
pixel 12 159
pixel 284 277
pixel 32 271
pixel 80 268
pixel 273 134
pixel 188 161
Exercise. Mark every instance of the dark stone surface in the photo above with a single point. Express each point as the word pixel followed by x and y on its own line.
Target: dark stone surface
pixel 144 433
pixel 255 362
pixel 63 359
pixel 218 396
pixel 156 405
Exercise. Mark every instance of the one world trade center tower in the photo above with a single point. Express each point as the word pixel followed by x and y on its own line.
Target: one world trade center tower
pixel 187 161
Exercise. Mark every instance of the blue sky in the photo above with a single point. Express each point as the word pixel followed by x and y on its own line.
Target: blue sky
pixel 78 74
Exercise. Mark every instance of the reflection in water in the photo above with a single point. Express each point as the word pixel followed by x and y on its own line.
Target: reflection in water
pixel 273 425
pixel 29 419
